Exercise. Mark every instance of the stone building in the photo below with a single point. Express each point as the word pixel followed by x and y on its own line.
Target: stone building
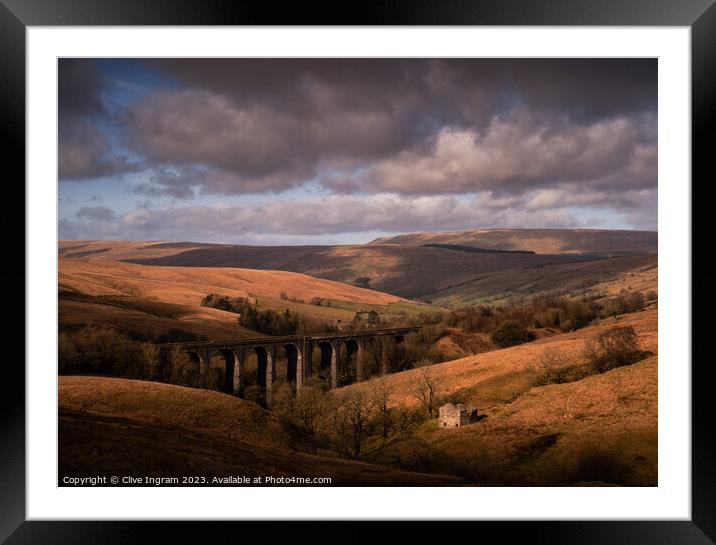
pixel 454 416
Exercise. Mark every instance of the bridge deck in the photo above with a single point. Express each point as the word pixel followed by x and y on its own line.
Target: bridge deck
pixel 290 339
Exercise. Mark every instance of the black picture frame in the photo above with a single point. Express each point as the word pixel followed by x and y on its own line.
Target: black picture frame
pixel 16 15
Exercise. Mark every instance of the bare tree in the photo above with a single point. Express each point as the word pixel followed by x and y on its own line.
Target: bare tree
pixel 551 362
pixel 425 389
pixel 379 398
pixel 353 419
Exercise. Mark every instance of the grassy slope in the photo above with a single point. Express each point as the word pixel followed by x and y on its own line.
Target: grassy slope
pixel 151 301
pixel 408 271
pixel 166 405
pixel 611 416
pixel 187 285
pixel 497 376
pixel 608 275
pixel 117 426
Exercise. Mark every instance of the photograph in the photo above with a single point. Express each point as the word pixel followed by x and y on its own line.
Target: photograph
pixel 357 271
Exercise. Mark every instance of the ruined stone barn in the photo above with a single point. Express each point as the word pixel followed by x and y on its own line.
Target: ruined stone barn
pixel 454 416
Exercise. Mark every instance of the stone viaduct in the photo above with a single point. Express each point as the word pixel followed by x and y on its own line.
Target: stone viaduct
pixel 298 350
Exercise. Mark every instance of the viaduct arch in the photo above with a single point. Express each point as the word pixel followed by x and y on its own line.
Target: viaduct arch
pixel 296 350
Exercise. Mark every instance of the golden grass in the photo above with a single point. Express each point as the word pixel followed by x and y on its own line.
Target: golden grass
pixel 188 285
pixel 497 376
pixel 169 405
pixel 154 300
pixel 612 416
pixel 600 430
pixel 129 427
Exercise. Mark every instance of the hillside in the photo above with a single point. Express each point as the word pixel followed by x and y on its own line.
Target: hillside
pixel 153 301
pixel 541 241
pixel 600 428
pixel 608 276
pixel 405 271
pixel 125 427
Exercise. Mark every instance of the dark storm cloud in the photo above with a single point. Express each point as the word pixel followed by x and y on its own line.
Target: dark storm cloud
pixel 85 153
pixel 359 124
pixel 84 149
pixel 533 137
pixel 79 88
pixel 447 89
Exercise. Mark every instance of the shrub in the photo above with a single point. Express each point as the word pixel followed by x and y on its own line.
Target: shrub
pixel 613 348
pixel 430 334
pixel 104 351
pixel 269 321
pixel 551 363
pixel 578 314
pixel 511 333
pixel 624 303
pixel 182 370
pixel 635 301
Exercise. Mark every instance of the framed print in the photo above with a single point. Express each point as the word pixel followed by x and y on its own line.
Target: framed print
pixel 426 264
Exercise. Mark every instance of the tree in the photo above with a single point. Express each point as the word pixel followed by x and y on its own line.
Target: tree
pixel 183 370
pixel 551 363
pixel 612 348
pixel 425 389
pixel 353 419
pixel 373 318
pixel 150 359
pixel 380 397
pixel 309 406
pixel 511 333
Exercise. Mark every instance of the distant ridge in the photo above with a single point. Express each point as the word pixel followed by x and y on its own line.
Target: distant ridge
pixel 603 242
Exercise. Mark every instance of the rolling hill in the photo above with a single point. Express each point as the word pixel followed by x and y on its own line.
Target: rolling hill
pixel 602 428
pixel 542 241
pixel 405 271
pixel 154 301
pixel 597 430
pixel 631 273
pixel 128 427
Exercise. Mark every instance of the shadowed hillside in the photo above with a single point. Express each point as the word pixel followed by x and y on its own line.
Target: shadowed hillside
pixel 541 241
pixel 637 272
pixel 124 427
pixel 406 271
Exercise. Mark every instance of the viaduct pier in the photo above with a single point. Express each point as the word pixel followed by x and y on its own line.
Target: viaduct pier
pixel 296 349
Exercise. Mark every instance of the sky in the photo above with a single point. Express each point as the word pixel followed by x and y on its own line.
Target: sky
pixel 341 151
